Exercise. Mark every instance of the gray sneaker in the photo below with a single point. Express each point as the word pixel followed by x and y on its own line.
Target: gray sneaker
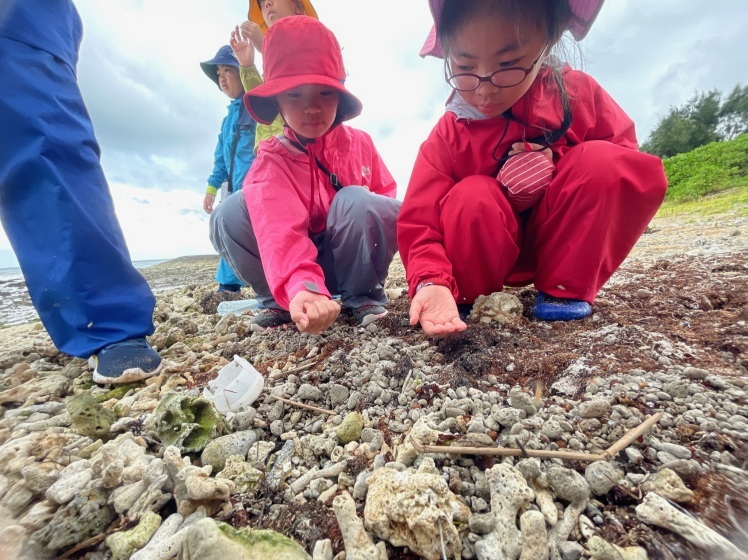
pixel 268 318
pixel 125 362
pixel 367 314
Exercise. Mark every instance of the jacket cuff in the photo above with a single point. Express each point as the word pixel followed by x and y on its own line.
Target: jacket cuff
pixel 432 281
pixel 309 286
pixel 211 190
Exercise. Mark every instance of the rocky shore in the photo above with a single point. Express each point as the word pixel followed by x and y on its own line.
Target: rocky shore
pixel 335 458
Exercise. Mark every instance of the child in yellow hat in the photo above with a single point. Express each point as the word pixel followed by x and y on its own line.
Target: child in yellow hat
pixel 262 14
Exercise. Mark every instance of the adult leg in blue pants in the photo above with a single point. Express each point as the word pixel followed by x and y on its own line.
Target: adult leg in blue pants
pixel 55 203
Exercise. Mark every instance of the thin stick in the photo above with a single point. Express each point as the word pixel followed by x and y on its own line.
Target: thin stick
pixel 631 435
pixel 302 367
pixel 300 405
pixel 622 443
pixel 505 452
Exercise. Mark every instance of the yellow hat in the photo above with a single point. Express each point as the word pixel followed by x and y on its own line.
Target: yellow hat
pixel 255 13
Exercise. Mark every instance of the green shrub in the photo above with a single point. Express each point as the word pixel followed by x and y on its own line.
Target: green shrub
pixel 709 169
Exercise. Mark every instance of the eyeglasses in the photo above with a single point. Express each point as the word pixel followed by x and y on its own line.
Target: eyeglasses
pixel 504 78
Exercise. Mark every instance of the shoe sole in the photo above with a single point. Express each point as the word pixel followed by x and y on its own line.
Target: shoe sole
pixel 128 376
pixel 369 319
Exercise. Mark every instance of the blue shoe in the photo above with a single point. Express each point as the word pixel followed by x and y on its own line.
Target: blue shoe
pixel 236 288
pixel 125 362
pixel 464 309
pixel 549 308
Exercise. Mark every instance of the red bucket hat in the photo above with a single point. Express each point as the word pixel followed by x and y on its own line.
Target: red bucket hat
pixel 299 50
pixel 583 14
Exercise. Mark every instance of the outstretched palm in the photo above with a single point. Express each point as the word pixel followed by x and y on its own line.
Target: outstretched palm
pixel 435 308
pixel 242 47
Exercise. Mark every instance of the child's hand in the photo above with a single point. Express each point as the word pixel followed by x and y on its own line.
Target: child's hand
pixel 242 48
pixel 208 203
pixel 313 313
pixel 435 308
pixel 253 32
pixel 519 147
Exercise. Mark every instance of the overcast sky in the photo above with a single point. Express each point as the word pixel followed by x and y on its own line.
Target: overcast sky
pixel 157 115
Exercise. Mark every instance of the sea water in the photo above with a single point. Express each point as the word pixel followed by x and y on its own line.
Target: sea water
pixel 15 304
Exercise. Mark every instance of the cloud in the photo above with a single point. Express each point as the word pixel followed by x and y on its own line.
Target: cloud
pixel 157 116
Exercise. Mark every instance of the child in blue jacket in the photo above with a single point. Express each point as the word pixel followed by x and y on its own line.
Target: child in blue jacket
pixel 235 148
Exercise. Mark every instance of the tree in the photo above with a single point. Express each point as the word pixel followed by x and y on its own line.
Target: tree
pixel 734 113
pixel 687 127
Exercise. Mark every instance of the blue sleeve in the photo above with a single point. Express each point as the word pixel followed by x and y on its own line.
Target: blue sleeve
pixel 220 174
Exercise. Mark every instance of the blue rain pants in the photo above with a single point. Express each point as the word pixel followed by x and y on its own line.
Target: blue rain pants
pixel 55 203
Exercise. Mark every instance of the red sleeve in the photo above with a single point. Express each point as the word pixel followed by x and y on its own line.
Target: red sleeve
pixel 419 236
pixel 596 116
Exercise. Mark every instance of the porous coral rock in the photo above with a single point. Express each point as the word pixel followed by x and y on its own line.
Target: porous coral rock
pixel 89 418
pixel 497 307
pixel 656 510
pixel 193 486
pixel 571 487
pixel 603 550
pixel 358 544
pixel 668 485
pixel 509 494
pixel 124 543
pixel 85 516
pixel 211 540
pixel 415 509
pixel 534 536
pixel 423 434
pixel 244 476
pixel 185 422
pixel 350 428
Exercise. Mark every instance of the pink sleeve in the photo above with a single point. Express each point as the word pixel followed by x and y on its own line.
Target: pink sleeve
pixel 281 223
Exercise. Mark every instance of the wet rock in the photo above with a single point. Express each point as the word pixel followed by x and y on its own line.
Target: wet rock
pixel 89 417
pixel 186 422
pixel 210 540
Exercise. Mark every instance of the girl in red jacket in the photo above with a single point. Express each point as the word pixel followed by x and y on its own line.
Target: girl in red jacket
pixel 532 175
pixel 318 215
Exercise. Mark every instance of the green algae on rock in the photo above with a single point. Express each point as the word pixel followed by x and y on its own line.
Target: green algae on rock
pixel 188 423
pixel 89 417
pixel 350 428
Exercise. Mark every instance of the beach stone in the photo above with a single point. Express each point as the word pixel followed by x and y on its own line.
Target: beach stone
pixel 603 550
pixel 244 476
pixel 594 408
pixel 309 392
pixel 508 417
pixel 350 428
pixel 482 523
pixel 217 451
pixel 207 539
pixel 695 373
pixel 570 550
pixel 89 417
pixel 677 451
pixel 668 485
pixel 338 394
pixel 85 516
pixel 521 401
pixel 602 476
pixel 124 543
pixel 687 469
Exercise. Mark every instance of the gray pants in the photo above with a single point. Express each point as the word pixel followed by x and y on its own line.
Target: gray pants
pixel 355 249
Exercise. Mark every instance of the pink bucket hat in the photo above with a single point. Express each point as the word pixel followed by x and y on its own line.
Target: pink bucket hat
pixel 300 50
pixel 583 14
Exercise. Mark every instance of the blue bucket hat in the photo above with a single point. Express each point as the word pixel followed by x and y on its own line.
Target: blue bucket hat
pixel 225 56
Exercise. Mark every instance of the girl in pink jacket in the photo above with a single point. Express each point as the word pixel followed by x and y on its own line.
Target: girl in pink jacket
pixel 319 212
